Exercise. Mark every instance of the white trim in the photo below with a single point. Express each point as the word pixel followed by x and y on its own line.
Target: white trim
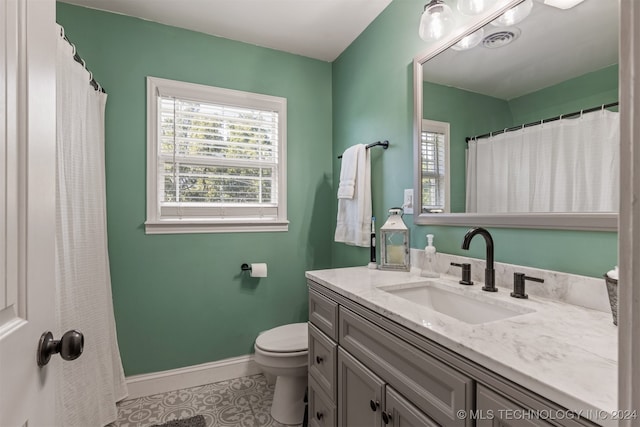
pixel 191 376
pixel 155 221
pixel 181 227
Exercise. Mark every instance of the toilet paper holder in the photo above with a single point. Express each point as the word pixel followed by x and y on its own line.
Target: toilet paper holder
pixel 256 269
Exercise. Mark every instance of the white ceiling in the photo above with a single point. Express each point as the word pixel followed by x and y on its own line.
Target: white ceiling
pixel 320 29
pixel 555 45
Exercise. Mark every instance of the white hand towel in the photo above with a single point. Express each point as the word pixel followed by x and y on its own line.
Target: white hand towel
pixel 348 171
pixel 353 225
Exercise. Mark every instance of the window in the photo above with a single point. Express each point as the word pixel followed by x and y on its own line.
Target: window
pixel 216 159
pixel 434 165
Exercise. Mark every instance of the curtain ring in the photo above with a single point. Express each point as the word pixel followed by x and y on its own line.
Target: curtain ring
pixel 90 76
pixel 581 111
pixel 61 31
pixel 73 47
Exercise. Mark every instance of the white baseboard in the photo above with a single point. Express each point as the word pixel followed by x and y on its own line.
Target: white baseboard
pixel 190 376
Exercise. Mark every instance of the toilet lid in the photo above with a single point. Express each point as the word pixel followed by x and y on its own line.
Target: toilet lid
pixel 284 339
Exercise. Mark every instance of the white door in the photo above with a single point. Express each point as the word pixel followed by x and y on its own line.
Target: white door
pixel 27 209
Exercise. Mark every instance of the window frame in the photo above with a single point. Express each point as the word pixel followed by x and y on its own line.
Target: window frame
pixel 155 223
pixel 444 128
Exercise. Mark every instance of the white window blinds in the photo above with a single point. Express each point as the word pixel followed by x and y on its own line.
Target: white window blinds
pixel 219 155
pixel 433 171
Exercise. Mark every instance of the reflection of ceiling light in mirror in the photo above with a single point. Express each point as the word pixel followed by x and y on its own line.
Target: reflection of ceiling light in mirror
pixel 469 41
pixel 563 4
pixel 473 7
pixel 437 21
pixel 514 15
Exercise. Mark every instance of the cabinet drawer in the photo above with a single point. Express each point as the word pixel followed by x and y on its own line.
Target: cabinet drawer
pixel 322 410
pixel 323 313
pixel 435 388
pixel 322 361
pixel 496 410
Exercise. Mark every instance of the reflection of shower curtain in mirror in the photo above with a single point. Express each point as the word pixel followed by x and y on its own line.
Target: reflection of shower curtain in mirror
pixel 569 165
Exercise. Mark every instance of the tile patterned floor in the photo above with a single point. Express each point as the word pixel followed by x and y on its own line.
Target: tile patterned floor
pixel 241 402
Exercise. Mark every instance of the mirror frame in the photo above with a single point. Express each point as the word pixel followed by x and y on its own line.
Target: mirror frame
pixel 552 220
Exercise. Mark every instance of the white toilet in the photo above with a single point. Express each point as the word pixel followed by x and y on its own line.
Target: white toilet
pixel 283 352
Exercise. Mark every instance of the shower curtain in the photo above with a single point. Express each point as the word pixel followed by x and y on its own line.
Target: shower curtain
pixel 568 165
pixel 89 386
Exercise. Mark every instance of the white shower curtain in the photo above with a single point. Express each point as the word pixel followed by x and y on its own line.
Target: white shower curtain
pixel 89 386
pixel 569 165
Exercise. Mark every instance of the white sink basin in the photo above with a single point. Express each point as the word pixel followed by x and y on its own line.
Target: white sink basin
pixel 472 309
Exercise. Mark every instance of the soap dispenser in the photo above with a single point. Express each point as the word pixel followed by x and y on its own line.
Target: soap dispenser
pixel 429 269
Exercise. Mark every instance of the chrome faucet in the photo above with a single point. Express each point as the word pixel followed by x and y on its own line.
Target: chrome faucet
pixel 489 271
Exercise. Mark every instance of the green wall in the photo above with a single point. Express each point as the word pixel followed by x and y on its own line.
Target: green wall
pixel 373 99
pixel 181 300
pixel 586 91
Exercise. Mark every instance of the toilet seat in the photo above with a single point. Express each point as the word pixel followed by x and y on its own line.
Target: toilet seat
pixel 290 339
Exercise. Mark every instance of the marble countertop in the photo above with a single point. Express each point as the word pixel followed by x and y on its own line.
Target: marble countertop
pixel 563 352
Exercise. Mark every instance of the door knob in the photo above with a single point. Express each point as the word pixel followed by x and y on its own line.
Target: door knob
pixel 70 346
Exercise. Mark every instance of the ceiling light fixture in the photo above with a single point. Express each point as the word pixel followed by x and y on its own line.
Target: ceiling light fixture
pixel 473 7
pixel 470 41
pixel 437 21
pixel 563 4
pixel 514 15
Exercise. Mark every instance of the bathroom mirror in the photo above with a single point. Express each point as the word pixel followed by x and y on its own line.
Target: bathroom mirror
pixel 553 63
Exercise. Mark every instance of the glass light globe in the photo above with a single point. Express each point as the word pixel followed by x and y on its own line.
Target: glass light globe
pixel 473 7
pixel 514 15
pixel 469 41
pixel 437 21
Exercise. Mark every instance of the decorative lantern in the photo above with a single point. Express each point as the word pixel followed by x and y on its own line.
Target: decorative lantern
pixel 394 242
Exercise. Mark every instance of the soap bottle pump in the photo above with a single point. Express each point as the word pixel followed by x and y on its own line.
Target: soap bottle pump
pixel 429 269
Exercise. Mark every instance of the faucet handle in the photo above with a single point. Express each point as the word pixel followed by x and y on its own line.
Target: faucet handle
pixel 518 284
pixel 466 273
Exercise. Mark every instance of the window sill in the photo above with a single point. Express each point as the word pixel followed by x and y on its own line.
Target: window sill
pixel 231 226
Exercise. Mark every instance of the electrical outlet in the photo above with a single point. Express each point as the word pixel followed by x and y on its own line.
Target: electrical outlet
pixel 407 205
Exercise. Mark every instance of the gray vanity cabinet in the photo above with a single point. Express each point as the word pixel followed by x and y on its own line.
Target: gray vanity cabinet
pixel 366 370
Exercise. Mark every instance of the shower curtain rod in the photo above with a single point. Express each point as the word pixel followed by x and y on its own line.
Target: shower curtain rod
pixel 539 122
pixel 384 144
pixel 80 61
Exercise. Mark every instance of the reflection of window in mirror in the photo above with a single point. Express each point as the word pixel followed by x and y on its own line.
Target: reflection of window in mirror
pixel 434 166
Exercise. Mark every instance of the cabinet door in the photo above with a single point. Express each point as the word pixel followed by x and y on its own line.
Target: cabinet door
pixel 402 413
pixel 360 394
pixel 494 410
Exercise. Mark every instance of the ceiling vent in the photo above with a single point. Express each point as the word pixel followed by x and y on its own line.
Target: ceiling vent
pixel 501 38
